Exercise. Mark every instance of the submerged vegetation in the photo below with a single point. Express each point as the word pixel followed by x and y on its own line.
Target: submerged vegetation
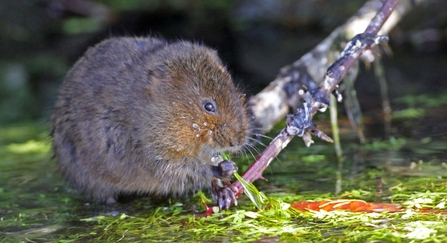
pixel 406 169
pixel 280 221
pixel 37 206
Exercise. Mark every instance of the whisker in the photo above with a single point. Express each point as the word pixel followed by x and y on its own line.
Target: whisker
pixel 256 149
pixel 252 142
pixel 250 147
pixel 260 135
pixel 257 141
pixel 246 157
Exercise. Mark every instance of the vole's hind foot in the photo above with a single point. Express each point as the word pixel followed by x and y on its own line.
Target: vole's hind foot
pixel 110 200
pixel 224 170
pixel 225 195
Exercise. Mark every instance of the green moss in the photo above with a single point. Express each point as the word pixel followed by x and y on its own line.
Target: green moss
pixel 244 224
pixel 36 205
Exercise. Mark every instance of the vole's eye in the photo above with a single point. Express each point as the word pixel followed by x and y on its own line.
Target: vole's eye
pixel 209 106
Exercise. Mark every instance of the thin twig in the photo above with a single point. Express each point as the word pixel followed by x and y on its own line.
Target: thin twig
pixel 301 123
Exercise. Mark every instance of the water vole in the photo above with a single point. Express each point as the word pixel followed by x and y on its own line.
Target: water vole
pixel 147 116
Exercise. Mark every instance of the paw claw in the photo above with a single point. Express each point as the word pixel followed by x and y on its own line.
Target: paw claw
pixel 224 194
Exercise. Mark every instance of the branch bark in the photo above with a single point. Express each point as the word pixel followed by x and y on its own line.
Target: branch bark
pixel 272 104
pixel 316 97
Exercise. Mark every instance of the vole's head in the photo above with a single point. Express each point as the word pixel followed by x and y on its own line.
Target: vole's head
pixel 208 112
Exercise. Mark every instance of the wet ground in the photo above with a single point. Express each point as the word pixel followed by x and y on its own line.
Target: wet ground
pixel 407 166
pixel 36 205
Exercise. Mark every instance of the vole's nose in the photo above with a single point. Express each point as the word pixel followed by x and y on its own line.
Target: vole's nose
pixel 234 143
pixel 236 140
pixel 229 136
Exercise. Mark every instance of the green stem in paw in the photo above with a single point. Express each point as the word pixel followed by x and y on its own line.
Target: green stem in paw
pixel 258 198
pixel 225 155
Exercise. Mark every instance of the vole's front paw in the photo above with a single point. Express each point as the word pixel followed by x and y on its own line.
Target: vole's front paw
pixel 225 195
pixel 224 170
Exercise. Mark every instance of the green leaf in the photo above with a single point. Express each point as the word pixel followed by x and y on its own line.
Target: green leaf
pixel 258 198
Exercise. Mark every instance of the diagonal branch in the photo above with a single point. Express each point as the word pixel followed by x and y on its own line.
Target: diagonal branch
pixel 317 99
pixel 286 92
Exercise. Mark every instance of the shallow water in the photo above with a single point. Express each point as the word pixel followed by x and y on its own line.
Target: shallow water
pixel 36 205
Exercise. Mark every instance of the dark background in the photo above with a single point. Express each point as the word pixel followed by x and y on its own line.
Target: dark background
pixel 41 39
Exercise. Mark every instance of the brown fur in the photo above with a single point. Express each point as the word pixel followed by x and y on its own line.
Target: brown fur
pixel 130 118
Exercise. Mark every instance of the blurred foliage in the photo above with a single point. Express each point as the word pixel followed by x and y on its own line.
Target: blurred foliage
pixel 41 39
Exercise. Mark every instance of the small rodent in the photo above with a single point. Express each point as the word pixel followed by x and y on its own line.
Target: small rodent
pixel 142 115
